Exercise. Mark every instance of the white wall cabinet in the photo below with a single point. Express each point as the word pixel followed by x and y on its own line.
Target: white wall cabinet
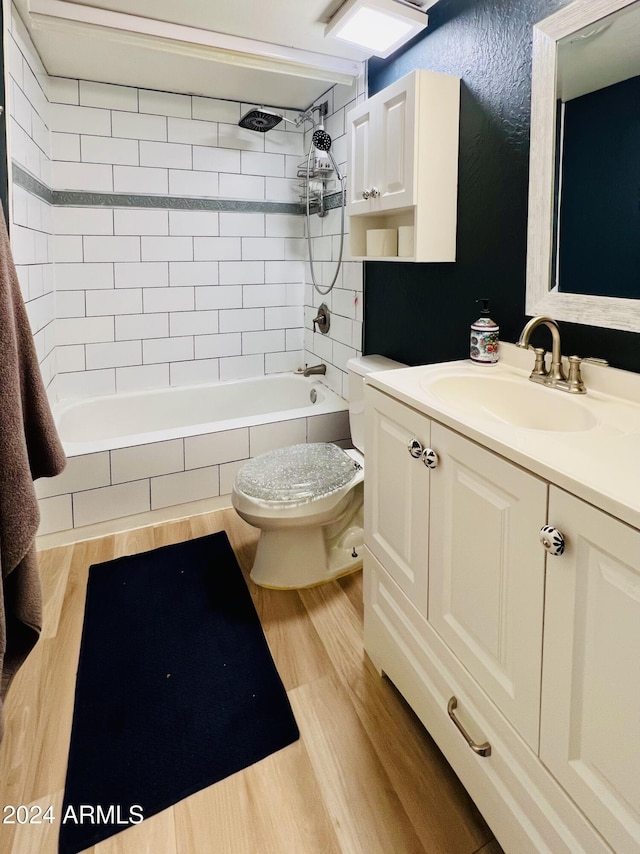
pixel 402 165
pixel 462 601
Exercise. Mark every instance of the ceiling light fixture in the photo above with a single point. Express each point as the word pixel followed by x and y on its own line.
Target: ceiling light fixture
pixel 378 26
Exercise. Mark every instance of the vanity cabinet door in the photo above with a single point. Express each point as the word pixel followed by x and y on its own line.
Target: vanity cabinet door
pixel 396 504
pixel 590 727
pixel 486 577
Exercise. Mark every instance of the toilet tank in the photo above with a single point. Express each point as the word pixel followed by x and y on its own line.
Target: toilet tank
pixel 358 369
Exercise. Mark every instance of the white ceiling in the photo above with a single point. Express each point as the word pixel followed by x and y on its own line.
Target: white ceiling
pixel 600 54
pixel 143 43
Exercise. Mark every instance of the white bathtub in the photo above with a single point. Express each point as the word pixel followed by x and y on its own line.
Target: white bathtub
pixel 136 452
pixel 137 418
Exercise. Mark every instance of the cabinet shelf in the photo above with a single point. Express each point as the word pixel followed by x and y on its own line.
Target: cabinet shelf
pixel 388 219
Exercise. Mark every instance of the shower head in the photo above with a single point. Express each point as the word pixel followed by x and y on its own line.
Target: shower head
pixel 321 139
pixel 260 120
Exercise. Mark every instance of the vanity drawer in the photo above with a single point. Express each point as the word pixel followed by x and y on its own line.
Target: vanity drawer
pixel 524 806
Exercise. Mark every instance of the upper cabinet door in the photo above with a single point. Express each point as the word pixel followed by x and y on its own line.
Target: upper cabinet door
pixel 395 161
pixel 590 729
pixel 360 177
pixel 486 579
pixel 380 139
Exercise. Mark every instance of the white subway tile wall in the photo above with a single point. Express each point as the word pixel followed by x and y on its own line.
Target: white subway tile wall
pixel 162 288
pixel 32 224
pixel 123 297
pixel 344 339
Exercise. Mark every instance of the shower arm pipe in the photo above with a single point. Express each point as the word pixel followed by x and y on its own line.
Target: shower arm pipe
pixel 269 112
pixel 307 115
pixel 303 116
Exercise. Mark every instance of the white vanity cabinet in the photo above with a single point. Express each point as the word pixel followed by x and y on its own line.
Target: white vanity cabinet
pixel 590 734
pixel 402 164
pixel 523 666
pixel 461 541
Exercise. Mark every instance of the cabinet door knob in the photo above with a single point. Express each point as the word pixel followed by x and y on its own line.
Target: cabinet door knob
pixel 415 448
pixel 552 540
pixel 375 192
pixel 366 194
pixel 430 458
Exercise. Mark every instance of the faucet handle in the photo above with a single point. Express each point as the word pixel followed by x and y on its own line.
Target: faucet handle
pixel 575 384
pixel 539 368
pixel 322 319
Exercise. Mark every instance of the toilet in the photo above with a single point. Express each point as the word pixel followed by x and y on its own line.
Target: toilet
pixel 307 500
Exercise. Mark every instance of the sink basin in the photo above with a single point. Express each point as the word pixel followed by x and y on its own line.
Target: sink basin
pixel 519 403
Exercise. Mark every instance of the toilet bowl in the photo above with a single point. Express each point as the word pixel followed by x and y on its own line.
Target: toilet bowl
pixel 307 501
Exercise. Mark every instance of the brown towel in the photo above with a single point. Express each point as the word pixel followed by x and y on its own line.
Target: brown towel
pixel 29 448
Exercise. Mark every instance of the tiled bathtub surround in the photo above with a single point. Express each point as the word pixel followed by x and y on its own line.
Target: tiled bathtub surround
pixel 158 244
pixel 345 301
pixel 156 297
pixel 112 484
pixel 171 263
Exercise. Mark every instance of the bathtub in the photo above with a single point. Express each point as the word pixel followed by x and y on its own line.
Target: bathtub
pixel 136 452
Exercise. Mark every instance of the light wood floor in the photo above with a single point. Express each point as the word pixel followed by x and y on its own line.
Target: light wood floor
pixel 364 776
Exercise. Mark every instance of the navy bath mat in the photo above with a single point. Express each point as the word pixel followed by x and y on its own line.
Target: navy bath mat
pixel 176 688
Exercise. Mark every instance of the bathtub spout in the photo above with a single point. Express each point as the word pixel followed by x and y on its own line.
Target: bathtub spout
pixel 312 369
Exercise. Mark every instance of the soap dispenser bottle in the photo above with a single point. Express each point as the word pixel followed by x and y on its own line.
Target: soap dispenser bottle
pixel 484 349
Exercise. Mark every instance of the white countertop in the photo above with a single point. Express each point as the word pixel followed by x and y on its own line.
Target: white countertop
pixel 600 465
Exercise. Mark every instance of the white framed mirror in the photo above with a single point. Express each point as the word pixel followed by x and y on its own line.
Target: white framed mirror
pixel 581 49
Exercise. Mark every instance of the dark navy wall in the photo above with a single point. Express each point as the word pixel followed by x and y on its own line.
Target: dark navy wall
pixel 420 313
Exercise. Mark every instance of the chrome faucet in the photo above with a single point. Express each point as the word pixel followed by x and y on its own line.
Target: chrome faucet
pixel 555 377
pixel 314 369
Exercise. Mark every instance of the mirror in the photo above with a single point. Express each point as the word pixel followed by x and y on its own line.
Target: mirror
pixel 583 251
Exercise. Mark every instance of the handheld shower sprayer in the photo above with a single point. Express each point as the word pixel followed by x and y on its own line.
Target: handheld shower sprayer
pixel 321 139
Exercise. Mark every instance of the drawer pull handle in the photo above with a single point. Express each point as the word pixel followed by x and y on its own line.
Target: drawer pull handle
pixel 480 749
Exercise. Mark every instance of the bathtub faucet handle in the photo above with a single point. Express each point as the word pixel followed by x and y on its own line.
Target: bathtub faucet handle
pixel 323 319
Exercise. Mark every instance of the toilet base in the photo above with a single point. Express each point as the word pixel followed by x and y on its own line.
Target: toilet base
pixel 290 558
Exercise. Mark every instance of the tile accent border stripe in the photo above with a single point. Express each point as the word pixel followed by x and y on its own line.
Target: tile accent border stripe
pixel 30 184
pixel 73 198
